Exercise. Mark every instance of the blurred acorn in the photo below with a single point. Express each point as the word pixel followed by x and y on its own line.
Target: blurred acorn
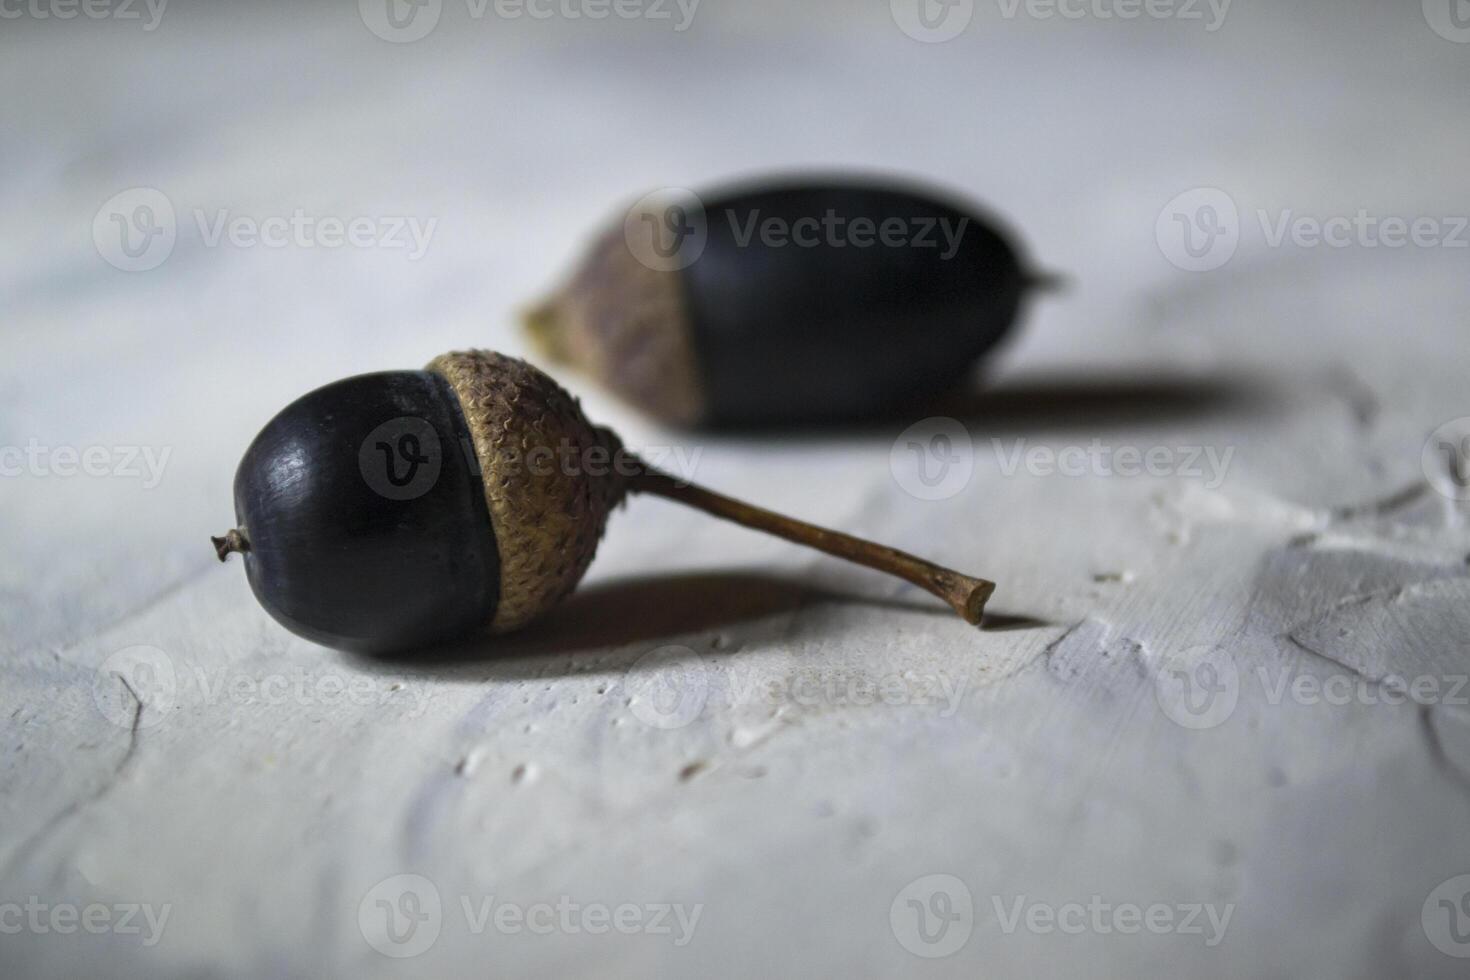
pixel 398 510
pixel 800 302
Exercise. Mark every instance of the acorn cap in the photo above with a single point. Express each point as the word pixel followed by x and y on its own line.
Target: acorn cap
pixel 548 487
pixel 627 326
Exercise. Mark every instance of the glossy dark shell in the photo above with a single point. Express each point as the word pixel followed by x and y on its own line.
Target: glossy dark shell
pixel 366 517
pixel 813 333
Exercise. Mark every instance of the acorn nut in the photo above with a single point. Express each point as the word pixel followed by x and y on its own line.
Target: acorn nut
pixel 393 511
pixel 796 302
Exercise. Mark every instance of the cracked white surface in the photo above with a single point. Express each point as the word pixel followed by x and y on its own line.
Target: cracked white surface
pixel 843 736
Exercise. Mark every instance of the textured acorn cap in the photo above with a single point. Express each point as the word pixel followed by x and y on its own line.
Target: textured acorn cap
pixel 532 443
pixel 626 325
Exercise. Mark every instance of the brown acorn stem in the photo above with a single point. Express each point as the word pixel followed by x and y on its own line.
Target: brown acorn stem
pixel 234 540
pixel 965 594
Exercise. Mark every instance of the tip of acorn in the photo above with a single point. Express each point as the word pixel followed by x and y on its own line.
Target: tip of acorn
pixel 232 541
pixel 543 326
pixel 1047 282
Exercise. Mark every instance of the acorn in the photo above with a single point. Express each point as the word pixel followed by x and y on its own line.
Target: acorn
pixel 800 302
pixel 395 511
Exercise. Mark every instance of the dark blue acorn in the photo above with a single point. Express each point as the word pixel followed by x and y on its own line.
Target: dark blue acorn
pixel 366 516
pixel 794 302
pixel 390 512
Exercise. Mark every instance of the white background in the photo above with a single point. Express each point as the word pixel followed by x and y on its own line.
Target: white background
pixel 530 772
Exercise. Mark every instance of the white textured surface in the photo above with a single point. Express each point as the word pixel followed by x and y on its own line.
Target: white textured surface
pixel 262 811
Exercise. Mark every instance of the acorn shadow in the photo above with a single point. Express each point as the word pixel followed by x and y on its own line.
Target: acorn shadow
pixel 1053 401
pixel 605 627
pixel 1039 402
